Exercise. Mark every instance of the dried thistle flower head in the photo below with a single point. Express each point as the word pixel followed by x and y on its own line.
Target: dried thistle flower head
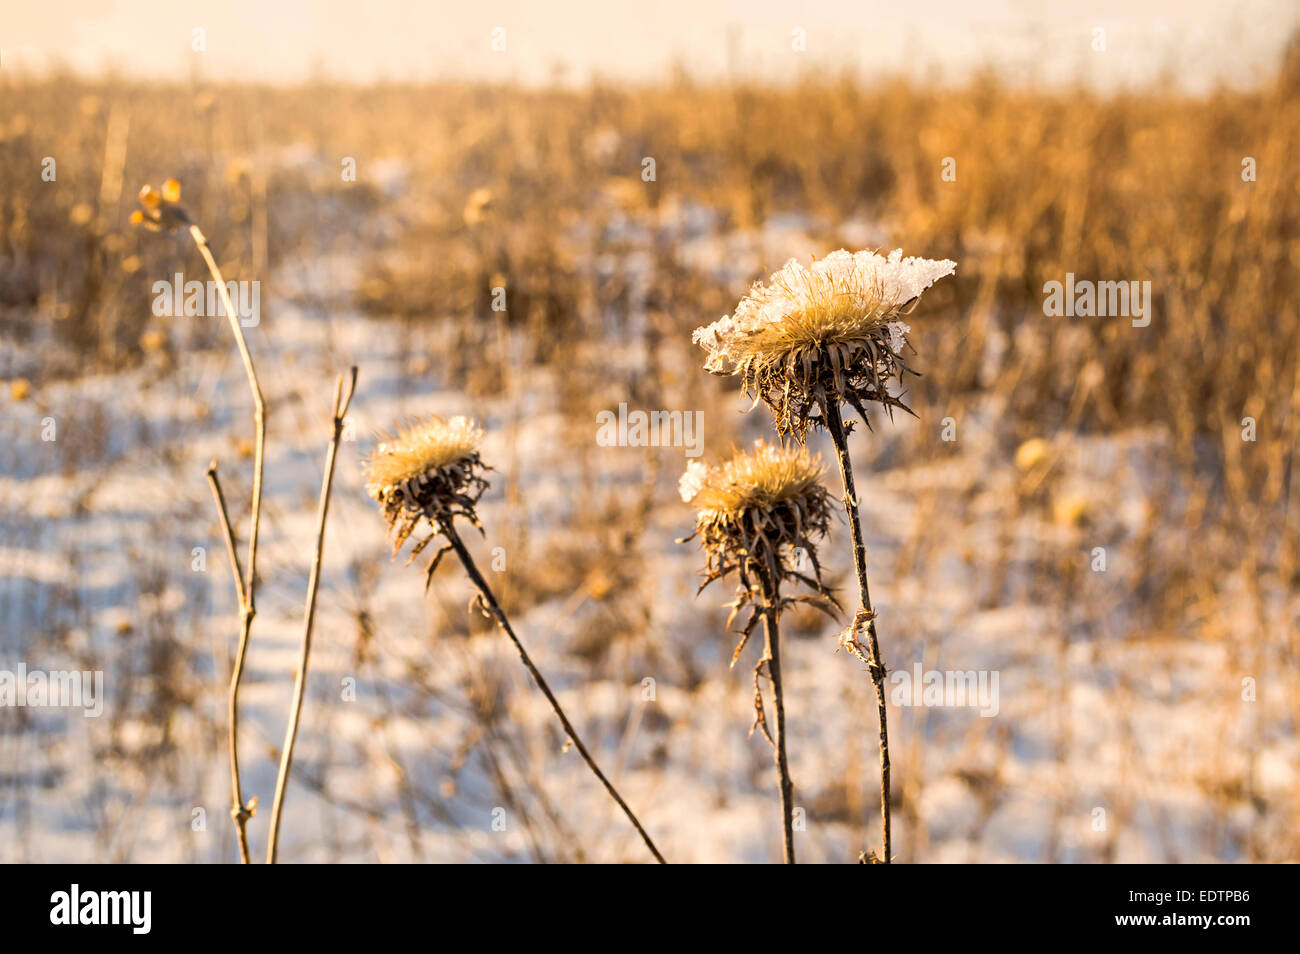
pixel 827 332
pixel 760 515
pixel 161 211
pixel 430 468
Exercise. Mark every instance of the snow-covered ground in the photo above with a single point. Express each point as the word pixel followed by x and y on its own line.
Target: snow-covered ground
pixel 422 737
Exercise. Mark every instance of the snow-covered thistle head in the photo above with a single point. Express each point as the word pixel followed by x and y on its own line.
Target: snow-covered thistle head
pixel 827 332
pixel 760 515
pixel 428 468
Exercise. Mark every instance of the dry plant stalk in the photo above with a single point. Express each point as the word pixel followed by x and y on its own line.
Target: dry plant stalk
pixel 431 470
pixel 240 812
pixel 807 341
pixel 342 400
pixel 161 211
pixel 758 514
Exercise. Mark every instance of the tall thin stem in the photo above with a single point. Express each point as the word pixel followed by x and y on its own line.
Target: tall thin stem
pixel 240 812
pixel 772 653
pixel 246 589
pixel 259 413
pixel 875 664
pixel 341 402
pixel 453 537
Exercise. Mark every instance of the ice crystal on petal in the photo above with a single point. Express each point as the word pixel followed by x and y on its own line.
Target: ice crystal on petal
pixel 692 480
pixel 898 335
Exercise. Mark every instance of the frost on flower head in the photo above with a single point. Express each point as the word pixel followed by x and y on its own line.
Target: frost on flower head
pixel 828 331
pixel 898 335
pixel 428 468
pixel 692 480
pixel 760 515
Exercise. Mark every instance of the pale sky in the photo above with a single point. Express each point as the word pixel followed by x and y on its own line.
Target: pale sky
pixel 1199 42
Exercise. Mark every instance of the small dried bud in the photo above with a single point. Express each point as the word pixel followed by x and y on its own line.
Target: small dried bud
pixel 161 211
